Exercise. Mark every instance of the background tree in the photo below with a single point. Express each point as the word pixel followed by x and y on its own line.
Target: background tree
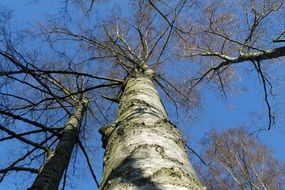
pixel 86 54
pixel 237 160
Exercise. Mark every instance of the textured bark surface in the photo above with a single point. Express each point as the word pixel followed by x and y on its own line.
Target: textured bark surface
pixel 144 150
pixel 51 173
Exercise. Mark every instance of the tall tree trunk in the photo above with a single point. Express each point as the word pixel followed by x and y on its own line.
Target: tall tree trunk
pixel 143 149
pixel 51 173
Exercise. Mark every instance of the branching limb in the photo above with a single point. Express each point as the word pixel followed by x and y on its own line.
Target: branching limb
pixel 280 37
pixel 29 142
pixel 19 169
pixel 199 157
pixel 88 163
pixel 34 123
pixel 265 82
pixel 22 134
pixel 13 164
pixel 256 56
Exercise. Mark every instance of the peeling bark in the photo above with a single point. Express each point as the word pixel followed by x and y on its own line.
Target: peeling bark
pixel 143 149
pixel 51 173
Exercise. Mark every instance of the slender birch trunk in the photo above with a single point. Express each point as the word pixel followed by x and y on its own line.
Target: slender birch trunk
pixel 51 173
pixel 143 149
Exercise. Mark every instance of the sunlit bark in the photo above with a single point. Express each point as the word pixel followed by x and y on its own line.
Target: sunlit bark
pixel 143 149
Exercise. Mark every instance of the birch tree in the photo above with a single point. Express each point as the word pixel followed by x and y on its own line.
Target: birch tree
pixel 237 160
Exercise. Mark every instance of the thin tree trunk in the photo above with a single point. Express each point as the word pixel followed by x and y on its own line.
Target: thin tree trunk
pixel 143 149
pixel 51 173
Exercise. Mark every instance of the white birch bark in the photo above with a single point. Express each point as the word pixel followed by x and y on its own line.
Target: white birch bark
pixel 52 171
pixel 143 149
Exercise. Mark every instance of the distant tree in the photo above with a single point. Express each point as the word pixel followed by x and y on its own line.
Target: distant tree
pixel 237 160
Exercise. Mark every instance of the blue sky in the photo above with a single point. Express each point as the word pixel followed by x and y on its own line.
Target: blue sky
pixel 239 108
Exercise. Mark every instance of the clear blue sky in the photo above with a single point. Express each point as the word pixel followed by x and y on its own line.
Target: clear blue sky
pixel 242 108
